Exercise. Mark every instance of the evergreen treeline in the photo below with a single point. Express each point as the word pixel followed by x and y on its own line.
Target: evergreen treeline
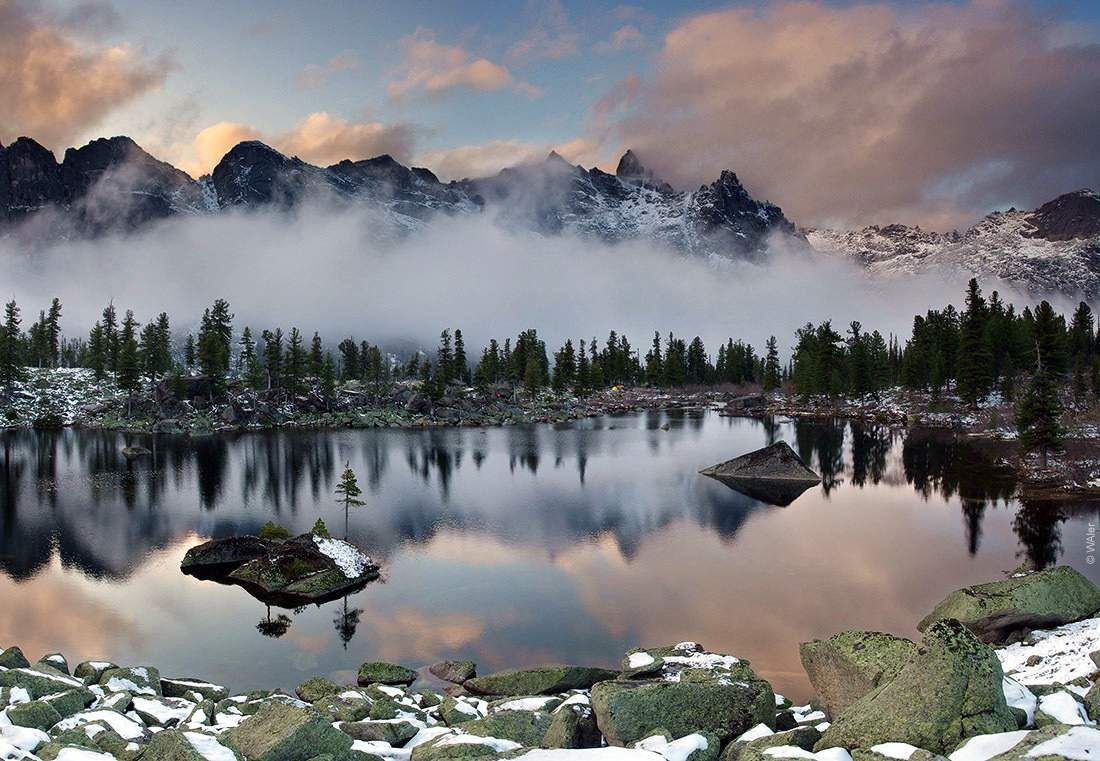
pixel 985 347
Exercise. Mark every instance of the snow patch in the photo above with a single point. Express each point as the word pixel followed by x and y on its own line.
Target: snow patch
pixel 984 747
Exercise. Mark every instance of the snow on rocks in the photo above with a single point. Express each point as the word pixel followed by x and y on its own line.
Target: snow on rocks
pixel 347 556
pixel 984 747
pixel 1056 655
pixel 1063 708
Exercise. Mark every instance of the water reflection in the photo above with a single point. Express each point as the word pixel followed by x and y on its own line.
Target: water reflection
pixel 517 544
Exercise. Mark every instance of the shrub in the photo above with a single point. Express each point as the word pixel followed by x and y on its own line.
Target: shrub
pixel 273 530
pixel 320 529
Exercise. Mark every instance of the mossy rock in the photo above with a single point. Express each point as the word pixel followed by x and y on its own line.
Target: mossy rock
pixel 454 711
pixel 448 747
pixel 631 710
pixel 56 661
pixel 951 690
pixel 846 666
pixel 1048 743
pixel 381 672
pixel 999 610
pixel 70 701
pixel 283 732
pixel 13 658
pixel 38 681
pixel 524 727
pixel 312 690
pixel 572 726
pixel 137 680
pixel 396 732
pixel 91 671
pixel 344 709
pixel 178 745
pixel 541 680
pixel 915 754
pixel 454 671
pixel 753 750
pixel 37 714
pixel 181 687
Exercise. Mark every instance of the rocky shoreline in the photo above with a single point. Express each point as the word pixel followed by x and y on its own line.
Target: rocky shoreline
pixel 1031 693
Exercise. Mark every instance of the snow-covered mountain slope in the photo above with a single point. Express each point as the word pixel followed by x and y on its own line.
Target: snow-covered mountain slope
pixel 113 185
pixel 1053 249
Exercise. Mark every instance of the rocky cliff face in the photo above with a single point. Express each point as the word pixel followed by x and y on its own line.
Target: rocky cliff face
pixel 112 185
pixel 1052 249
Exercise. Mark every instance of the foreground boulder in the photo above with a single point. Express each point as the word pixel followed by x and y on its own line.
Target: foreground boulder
pixel 540 680
pixel 1052 743
pixel 307 568
pixel 949 691
pixel 847 666
pixel 279 731
pixel 1000 610
pixel 775 474
pixel 174 745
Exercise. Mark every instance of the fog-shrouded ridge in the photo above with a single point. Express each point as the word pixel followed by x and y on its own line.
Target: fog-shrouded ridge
pixel 339 273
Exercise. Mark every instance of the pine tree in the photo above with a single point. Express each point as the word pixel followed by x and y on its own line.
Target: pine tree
pixel 110 336
pixel 327 378
pixel 461 366
pixel 316 356
pixel 215 344
pixel 295 366
pixel 348 493
pixel 53 333
pixel 444 361
pixel 11 355
pixel 349 356
pixel 584 371
pixel 97 352
pixel 250 363
pixel 532 378
pixel 771 365
pixel 273 357
pixel 189 353
pixel 565 367
pixel 1038 416
pixel 129 363
pixel 974 374
pixel 654 363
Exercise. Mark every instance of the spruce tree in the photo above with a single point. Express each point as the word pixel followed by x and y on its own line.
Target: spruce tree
pixel 53 333
pixel 772 378
pixel 327 380
pixel 97 352
pixel 11 355
pixel 273 357
pixel 461 365
pixel 584 371
pixel 654 363
pixel 189 352
pixel 444 362
pixel 348 493
pixel 129 363
pixel 974 374
pixel 294 370
pixel 316 356
pixel 110 336
pixel 251 370
pixel 1039 414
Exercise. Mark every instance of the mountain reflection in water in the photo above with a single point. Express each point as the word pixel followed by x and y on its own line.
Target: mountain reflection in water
pixel 509 546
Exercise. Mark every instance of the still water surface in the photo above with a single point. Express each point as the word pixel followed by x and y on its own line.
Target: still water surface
pixel 509 546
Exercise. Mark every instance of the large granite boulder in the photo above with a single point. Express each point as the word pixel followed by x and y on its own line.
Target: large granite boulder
pixel 177 745
pixel 454 671
pixel 775 474
pixel 279 731
pixel 754 749
pixel 232 551
pixel 999 610
pixel 13 658
pixel 693 692
pixel 38 681
pixel 950 690
pixel 846 666
pixel 381 672
pixel 540 680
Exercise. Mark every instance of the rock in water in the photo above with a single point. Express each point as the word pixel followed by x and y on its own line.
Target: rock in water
pixel 775 474
pixel 541 680
pixel 283 732
pixel 1000 609
pixel 951 690
pixel 848 665
pixel 454 671
pixel 228 553
pixel 381 672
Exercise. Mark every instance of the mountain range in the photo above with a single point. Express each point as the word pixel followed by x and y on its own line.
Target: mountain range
pixel 113 186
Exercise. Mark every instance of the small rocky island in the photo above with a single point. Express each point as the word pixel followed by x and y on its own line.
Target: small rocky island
pixel 775 474
pixel 1021 694
pixel 311 568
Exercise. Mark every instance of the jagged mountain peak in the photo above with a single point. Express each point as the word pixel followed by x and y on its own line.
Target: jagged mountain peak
pixel 630 169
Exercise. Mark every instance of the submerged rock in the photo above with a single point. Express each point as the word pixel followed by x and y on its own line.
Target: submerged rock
pixel 775 475
pixel 998 611
pixel 951 689
pixel 847 666
pixel 540 680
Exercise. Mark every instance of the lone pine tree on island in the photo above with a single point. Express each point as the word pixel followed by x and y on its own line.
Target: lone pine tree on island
pixel 348 493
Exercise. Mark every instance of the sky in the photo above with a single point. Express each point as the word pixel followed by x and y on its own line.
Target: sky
pixel 843 113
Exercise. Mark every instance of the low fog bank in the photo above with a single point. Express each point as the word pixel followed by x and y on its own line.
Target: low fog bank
pixel 337 272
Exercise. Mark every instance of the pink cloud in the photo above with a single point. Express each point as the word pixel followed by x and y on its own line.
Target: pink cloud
pixel 432 68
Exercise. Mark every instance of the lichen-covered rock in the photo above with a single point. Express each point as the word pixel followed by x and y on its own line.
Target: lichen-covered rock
pixel 177 745
pixel 137 680
pixel 13 658
pixel 1092 702
pixel 162 712
pixel 454 671
pixel 573 725
pixel 396 732
pixel 455 711
pixel 753 750
pixel 183 687
pixel 344 707
pixel 1060 707
pixel 694 747
pixel 228 552
pixel 998 610
pixel 631 710
pixel 56 661
pixel 381 672
pixel 312 690
pixel 950 690
pixel 90 671
pixel 455 746
pixel 38 681
pixel 846 666
pixel 279 731
pixel 540 680
pixel 36 714
pixel 70 701
pixel 895 751
pixel 524 727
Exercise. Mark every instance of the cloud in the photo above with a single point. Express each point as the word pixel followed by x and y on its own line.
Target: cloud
pixel 314 75
pixel 319 138
pixel 626 37
pixel 552 35
pixel 433 69
pixel 867 114
pixel 484 159
pixel 55 85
